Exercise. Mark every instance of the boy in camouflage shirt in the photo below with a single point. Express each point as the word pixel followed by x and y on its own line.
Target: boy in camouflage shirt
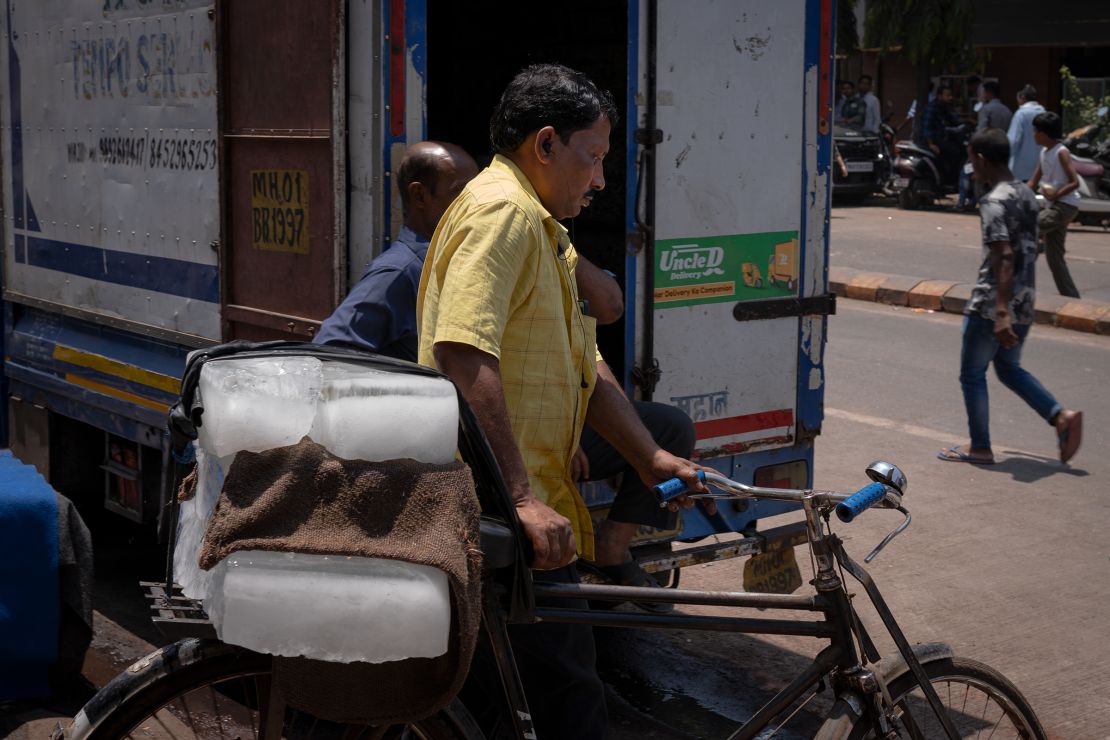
pixel 1000 313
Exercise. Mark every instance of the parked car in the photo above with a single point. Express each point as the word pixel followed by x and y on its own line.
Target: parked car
pixel 866 164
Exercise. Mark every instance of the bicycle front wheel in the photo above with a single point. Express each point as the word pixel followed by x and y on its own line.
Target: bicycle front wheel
pixel 979 699
pixel 206 689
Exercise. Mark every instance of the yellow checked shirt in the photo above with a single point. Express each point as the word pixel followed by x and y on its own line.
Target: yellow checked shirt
pixel 499 276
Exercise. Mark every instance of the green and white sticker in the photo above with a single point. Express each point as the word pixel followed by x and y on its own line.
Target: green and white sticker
pixel 716 269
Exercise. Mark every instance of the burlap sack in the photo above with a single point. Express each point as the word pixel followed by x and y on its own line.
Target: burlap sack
pixel 304 499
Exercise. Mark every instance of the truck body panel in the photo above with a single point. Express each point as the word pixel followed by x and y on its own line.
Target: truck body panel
pixel 263 242
pixel 108 105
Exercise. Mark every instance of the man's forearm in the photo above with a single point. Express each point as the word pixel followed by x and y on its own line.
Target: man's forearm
pixel 614 417
pixel 1002 265
pixel 601 291
pixel 478 376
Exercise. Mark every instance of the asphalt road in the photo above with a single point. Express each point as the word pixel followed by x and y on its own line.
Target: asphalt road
pixel 943 245
pixel 1009 563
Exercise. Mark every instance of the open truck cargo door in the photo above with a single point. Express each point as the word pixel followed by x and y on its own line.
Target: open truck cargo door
pixel 735 104
pixel 284 154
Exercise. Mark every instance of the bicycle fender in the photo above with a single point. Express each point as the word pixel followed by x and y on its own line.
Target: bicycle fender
pixel 894 665
pixel 849 706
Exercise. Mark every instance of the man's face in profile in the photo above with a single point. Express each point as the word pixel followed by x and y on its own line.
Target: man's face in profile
pixel 576 169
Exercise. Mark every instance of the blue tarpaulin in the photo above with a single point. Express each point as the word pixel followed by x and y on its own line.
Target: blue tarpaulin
pixel 29 599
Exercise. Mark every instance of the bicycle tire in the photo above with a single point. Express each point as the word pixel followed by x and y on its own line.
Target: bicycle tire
pixel 1016 713
pixel 182 690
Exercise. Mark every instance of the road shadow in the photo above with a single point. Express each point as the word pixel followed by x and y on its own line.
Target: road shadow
pixel 1026 467
pixel 700 684
pixel 705 684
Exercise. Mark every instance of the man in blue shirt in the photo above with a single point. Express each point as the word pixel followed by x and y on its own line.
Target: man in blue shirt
pixel 379 314
pixel 1024 151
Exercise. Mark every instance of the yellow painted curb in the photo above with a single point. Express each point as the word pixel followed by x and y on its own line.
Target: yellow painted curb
pixel 1082 315
pixel 930 294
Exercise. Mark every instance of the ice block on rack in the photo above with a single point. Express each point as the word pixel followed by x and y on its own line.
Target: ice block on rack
pixel 334 608
pixel 375 415
pixel 192 521
pixel 257 403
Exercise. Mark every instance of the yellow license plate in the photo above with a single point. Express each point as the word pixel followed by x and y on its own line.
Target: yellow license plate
pixel 772 572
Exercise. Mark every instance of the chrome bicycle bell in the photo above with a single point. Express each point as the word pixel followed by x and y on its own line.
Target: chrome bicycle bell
pixel 888 474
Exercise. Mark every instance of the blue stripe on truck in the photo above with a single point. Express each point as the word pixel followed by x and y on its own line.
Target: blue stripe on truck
pixel 158 274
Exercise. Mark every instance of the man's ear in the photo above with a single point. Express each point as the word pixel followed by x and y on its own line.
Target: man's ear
pixel 545 141
pixel 418 194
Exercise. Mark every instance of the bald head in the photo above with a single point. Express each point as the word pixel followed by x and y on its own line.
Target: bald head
pixel 431 175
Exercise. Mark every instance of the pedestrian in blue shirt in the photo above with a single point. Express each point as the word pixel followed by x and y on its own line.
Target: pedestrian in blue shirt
pixel 1024 150
pixel 379 314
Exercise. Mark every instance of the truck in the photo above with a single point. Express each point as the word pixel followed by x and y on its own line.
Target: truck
pixel 179 173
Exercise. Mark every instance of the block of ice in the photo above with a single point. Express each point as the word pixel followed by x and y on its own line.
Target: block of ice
pixel 334 608
pixel 257 403
pixel 374 415
pixel 192 522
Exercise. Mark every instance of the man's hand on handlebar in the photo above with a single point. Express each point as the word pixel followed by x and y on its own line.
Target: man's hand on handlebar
pixel 549 532
pixel 664 466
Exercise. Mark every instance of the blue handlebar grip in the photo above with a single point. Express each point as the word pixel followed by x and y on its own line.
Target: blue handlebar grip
pixel 860 501
pixel 669 490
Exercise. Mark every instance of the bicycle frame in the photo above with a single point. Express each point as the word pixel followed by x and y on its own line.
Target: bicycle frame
pixel 508 593
pixel 839 625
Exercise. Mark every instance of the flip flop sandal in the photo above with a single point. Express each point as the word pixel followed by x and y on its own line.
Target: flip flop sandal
pixel 629 573
pixel 955 454
pixel 1070 437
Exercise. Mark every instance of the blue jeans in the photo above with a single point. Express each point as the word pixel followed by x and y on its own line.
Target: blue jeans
pixel 980 348
pixel 967 190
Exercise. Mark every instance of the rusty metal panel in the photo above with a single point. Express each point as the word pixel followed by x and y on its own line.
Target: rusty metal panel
pixel 281 54
pixel 283 165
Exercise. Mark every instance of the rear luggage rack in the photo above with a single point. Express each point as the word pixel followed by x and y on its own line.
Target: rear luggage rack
pixel 176 616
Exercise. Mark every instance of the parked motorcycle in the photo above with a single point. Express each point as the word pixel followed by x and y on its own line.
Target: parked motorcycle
pixel 921 175
pixel 1092 163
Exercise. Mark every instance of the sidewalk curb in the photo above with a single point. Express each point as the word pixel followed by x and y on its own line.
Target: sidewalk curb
pixel 1092 317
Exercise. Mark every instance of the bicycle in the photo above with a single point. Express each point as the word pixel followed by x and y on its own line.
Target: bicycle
pixel 200 687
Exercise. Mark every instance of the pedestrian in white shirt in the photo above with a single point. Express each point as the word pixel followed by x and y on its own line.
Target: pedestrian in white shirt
pixel 1059 181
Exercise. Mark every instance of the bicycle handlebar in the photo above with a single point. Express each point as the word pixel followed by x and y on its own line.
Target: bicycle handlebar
pixel 886 490
pixel 671 489
pixel 860 501
pixel 848 506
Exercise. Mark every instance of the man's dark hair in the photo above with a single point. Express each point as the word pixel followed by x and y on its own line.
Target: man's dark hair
pixel 420 166
pixel 942 89
pixel 865 77
pixel 849 83
pixel 992 144
pixel 1029 93
pixel 547 95
pixel 974 80
pixel 1049 124
pixel 992 87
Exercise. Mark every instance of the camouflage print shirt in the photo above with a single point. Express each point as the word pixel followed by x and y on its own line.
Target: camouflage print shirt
pixel 1009 214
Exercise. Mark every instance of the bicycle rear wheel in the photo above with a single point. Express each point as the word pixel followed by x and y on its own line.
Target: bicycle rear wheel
pixel 206 689
pixel 980 700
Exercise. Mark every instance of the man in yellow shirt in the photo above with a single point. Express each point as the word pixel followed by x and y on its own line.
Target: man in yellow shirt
pixel 499 314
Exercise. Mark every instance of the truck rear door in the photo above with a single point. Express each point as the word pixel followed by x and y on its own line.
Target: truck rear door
pixel 283 141
pixel 737 268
